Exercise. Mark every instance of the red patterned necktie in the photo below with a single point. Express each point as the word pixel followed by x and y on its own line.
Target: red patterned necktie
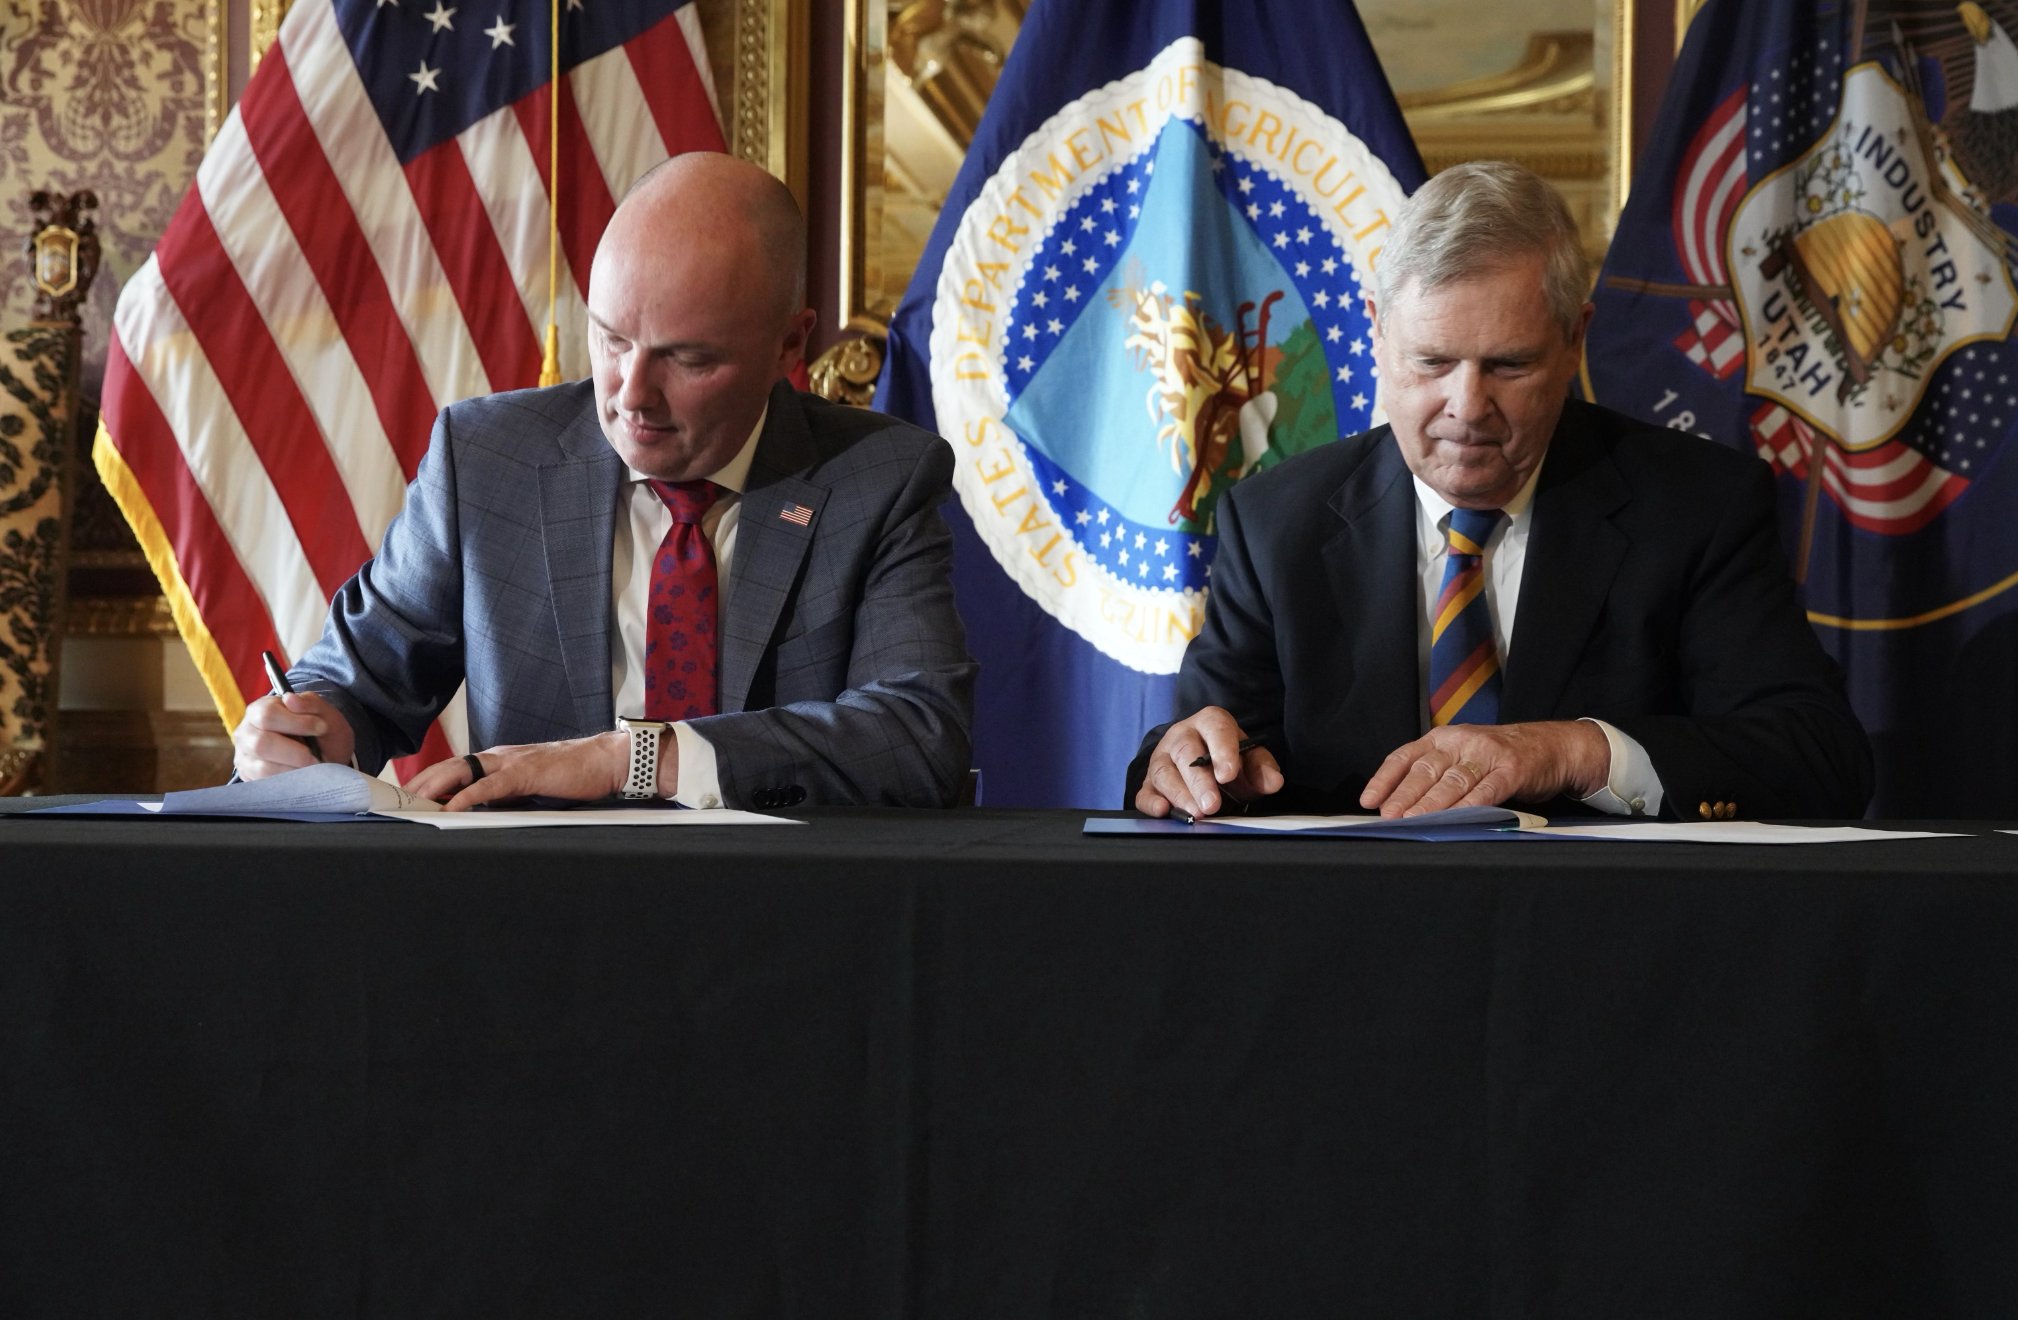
pixel 680 651
pixel 1464 680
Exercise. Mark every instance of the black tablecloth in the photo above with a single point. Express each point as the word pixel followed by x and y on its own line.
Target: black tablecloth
pixel 973 1064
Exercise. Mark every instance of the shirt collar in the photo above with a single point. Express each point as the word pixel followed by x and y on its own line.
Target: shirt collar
pixel 1432 510
pixel 734 474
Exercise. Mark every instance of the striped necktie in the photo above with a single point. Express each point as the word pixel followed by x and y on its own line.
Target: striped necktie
pixel 1464 681
pixel 680 653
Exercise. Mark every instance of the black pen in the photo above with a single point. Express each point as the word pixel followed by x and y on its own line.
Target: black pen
pixel 282 688
pixel 1246 745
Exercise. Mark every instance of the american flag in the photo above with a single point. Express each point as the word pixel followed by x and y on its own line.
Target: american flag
pixel 1712 184
pixel 366 243
pixel 1891 489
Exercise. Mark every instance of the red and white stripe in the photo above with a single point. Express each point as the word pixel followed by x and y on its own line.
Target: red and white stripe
pixel 1713 341
pixel 1890 488
pixel 1711 185
pixel 276 364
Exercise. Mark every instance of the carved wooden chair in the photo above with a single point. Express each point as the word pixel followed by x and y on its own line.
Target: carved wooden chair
pixel 38 417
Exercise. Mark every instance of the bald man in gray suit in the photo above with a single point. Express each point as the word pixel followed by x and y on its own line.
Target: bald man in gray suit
pixel 522 559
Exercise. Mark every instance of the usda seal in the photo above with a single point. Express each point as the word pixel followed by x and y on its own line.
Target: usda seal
pixel 1158 293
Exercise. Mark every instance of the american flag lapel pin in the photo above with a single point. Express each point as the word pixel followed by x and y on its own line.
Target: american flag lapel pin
pixel 797 514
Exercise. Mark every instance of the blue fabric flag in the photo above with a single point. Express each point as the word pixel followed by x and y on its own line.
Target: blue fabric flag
pixel 1145 284
pixel 430 77
pixel 1816 264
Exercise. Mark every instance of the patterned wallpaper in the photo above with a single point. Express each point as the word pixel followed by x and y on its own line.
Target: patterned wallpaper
pixel 100 94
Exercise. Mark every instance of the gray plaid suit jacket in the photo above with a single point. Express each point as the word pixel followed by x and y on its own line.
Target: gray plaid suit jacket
pixel 844 672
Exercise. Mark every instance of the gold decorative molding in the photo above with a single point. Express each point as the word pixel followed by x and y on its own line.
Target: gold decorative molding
pixel 216 68
pixel 862 161
pixel 1551 110
pixel 951 52
pixel 758 56
pixel 1554 74
pixel 1622 107
pixel 846 372
pixel 265 30
pixel 756 74
pixel 1562 156
pixel 768 123
pixel 917 76
pixel 1547 111
pixel 262 29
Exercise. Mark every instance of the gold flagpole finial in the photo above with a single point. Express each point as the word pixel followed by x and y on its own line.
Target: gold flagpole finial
pixel 550 365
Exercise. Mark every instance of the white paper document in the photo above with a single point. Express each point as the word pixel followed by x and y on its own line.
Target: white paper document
pixel 1504 818
pixel 327 787
pixel 331 792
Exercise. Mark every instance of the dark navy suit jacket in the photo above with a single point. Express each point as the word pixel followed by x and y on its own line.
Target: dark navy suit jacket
pixel 1655 597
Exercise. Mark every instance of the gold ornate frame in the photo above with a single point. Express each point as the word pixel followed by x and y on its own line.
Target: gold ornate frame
pixel 227 48
pixel 864 61
pixel 759 53
pixel 1488 117
pixel 216 68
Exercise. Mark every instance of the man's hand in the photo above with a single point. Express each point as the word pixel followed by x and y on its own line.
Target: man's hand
pixel 1173 783
pixel 578 769
pixel 268 740
pixel 1483 765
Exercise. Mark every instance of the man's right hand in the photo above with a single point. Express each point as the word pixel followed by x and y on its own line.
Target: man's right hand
pixel 1173 783
pixel 268 740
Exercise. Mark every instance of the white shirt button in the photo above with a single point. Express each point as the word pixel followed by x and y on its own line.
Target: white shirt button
pixel 710 802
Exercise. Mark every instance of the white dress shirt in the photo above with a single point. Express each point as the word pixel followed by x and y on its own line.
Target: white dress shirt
pixel 1632 788
pixel 642 524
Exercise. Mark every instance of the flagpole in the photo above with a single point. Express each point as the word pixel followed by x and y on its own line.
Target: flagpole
pixel 550 366
pixel 1811 499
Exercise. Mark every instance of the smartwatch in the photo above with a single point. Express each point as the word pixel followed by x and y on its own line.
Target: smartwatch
pixel 645 734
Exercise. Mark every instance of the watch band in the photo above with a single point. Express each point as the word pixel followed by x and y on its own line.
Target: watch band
pixel 643 781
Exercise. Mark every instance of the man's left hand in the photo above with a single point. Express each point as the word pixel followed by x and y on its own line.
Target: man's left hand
pixel 578 769
pixel 1483 765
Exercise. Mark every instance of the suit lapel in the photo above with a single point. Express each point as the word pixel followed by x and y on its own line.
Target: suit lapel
pixel 774 532
pixel 1370 563
pixel 578 508
pixel 1574 553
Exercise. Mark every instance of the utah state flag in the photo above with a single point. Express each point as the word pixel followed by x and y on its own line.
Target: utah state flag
pixel 1816 263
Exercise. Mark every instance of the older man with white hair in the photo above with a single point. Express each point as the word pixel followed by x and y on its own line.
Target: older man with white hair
pixel 1503 594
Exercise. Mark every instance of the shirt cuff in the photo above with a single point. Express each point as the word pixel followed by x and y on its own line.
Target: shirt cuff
pixel 700 783
pixel 1631 786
